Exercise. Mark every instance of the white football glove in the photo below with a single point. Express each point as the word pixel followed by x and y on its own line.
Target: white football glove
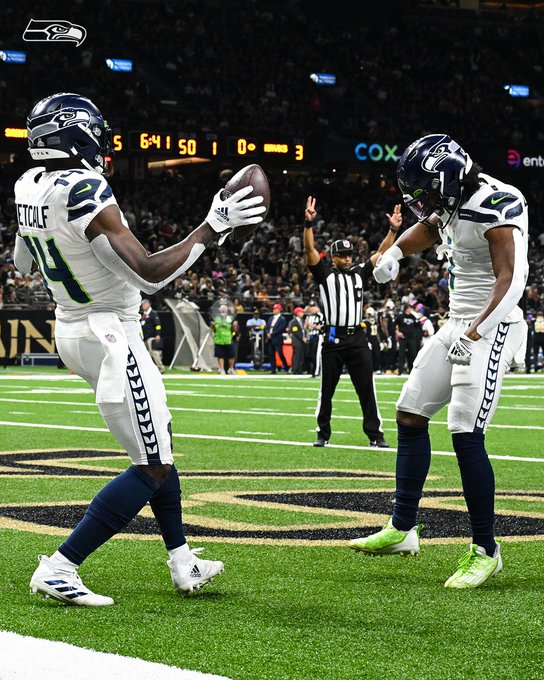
pixel 234 211
pixel 387 266
pixel 461 351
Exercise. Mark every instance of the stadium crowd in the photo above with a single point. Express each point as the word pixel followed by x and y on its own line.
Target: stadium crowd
pixel 391 84
pixel 270 266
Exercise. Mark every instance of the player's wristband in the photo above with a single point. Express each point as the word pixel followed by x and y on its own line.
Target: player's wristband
pixel 308 224
pixel 395 252
pixel 395 231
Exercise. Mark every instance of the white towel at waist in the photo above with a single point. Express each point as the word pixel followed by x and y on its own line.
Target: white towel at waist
pixel 112 378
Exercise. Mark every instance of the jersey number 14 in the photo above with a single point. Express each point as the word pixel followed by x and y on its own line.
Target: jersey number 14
pixel 61 272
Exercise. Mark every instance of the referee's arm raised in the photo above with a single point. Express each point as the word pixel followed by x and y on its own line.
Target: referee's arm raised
pixel 312 256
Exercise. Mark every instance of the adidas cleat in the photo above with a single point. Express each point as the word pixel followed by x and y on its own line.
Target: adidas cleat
pixel 194 575
pixel 64 585
pixel 475 567
pixel 389 541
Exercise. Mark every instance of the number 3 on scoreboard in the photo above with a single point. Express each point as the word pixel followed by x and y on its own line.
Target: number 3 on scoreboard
pixel 61 272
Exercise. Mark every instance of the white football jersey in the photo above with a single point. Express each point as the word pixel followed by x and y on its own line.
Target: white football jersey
pixel 53 211
pixel 471 275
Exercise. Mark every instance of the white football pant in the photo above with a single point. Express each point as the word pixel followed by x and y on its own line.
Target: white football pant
pixel 472 391
pixel 140 423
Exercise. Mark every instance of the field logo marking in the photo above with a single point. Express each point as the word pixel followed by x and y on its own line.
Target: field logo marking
pixel 326 506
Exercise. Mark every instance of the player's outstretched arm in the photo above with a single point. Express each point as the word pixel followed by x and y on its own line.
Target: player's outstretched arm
pixel 413 240
pixel 312 256
pixel 120 251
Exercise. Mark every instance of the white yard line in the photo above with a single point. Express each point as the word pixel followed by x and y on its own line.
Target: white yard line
pixel 252 440
pixel 263 412
pixel 28 658
pixel 251 432
pixel 270 412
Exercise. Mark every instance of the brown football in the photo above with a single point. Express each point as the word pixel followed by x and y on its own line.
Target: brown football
pixel 255 176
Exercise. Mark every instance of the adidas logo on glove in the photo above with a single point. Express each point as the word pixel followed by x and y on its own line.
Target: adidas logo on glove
pixel 222 213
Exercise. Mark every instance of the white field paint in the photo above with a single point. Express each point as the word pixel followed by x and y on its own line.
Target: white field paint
pixel 28 658
pixel 268 412
pixel 254 440
pixel 253 410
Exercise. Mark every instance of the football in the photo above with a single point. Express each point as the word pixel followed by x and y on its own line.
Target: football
pixel 255 176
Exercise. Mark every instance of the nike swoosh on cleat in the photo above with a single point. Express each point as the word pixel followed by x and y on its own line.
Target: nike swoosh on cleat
pixel 493 200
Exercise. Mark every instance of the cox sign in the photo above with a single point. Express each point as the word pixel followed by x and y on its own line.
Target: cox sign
pixel 376 152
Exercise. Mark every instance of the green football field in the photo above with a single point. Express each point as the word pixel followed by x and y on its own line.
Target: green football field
pixel 294 601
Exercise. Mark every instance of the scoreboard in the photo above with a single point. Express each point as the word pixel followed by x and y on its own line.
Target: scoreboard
pixel 179 144
pixel 209 145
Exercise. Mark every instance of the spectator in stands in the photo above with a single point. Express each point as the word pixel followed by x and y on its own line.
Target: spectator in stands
pixel 152 332
pixel 275 328
pixel 225 328
pixel 409 335
pixel 299 338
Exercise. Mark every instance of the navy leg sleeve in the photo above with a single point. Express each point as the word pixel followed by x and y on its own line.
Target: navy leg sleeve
pixel 413 461
pixel 109 512
pixel 478 486
pixel 166 506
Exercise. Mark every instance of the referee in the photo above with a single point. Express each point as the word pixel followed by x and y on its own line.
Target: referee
pixel 345 342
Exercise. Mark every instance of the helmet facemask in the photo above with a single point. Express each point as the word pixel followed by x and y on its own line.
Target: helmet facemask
pixel 430 176
pixel 429 205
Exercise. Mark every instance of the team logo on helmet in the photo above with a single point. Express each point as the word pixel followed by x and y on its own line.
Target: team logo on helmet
pixel 61 120
pixel 438 153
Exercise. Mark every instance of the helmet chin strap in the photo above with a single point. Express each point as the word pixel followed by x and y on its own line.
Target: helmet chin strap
pixel 86 164
pixel 440 223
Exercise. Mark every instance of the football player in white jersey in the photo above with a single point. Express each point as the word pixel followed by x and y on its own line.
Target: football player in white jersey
pixel 483 226
pixel 71 227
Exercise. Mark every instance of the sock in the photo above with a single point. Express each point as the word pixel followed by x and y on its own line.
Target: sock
pixel 61 561
pixel 109 512
pixel 166 506
pixel 478 486
pixel 413 461
pixel 182 554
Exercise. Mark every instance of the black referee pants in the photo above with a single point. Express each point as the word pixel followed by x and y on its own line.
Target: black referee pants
pixel 351 351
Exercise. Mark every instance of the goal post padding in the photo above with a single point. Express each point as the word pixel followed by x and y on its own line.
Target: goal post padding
pixel 194 342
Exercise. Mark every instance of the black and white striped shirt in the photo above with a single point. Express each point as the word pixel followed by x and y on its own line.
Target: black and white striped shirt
pixel 341 292
pixel 314 323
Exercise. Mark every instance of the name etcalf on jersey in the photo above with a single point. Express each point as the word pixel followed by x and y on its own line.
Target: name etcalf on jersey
pixel 33 216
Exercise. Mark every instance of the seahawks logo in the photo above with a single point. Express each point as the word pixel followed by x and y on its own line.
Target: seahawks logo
pixel 60 120
pixel 438 153
pixel 50 30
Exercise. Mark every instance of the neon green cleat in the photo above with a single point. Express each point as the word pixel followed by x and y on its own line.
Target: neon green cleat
pixel 475 567
pixel 389 541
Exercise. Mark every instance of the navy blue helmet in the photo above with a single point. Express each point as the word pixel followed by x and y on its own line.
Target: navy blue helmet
pixel 67 125
pixel 430 174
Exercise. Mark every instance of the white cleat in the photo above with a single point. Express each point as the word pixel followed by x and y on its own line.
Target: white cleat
pixel 64 585
pixel 194 575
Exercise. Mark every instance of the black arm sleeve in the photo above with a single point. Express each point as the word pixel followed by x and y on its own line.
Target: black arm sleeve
pixel 365 270
pixel 320 271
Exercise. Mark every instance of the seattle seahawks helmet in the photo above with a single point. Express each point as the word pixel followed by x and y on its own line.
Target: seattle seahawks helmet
pixel 67 125
pixel 430 175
